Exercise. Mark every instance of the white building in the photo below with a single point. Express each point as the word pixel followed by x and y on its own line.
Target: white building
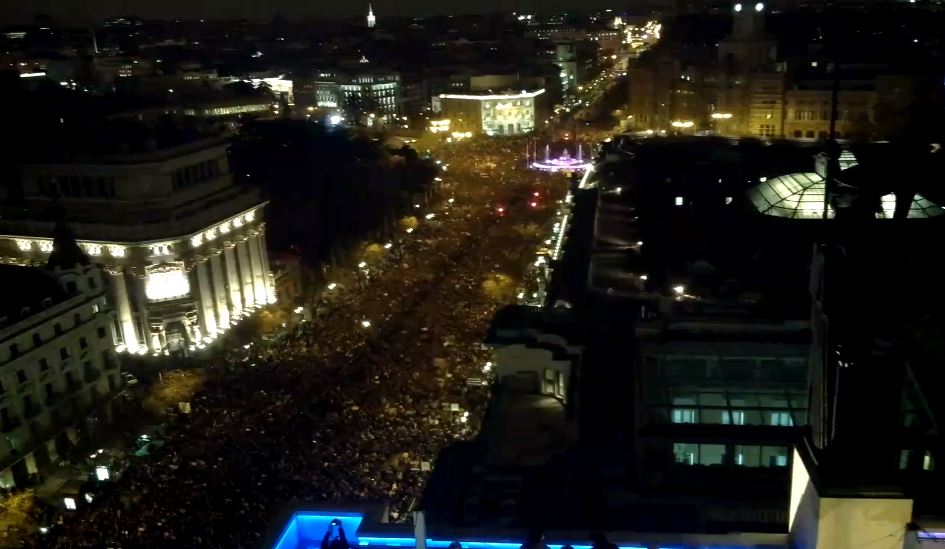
pixel 57 358
pixel 184 247
pixel 509 113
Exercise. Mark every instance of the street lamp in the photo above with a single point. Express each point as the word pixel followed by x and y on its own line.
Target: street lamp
pixel 366 323
pixel 679 290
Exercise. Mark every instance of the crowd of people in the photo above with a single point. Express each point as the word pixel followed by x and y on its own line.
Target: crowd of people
pixel 352 406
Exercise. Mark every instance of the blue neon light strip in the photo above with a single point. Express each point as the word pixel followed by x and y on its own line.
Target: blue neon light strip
pixel 304 528
pixel 466 543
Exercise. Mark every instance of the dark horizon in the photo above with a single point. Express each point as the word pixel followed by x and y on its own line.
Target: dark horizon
pixel 73 11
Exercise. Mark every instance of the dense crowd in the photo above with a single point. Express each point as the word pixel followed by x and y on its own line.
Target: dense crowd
pixel 352 406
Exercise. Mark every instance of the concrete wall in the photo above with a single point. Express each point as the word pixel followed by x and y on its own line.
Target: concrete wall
pixel 844 523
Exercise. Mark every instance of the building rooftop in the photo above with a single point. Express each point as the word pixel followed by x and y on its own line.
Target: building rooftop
pixel 26 287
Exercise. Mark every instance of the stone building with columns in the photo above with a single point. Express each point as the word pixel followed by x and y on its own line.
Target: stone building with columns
pixel 184 246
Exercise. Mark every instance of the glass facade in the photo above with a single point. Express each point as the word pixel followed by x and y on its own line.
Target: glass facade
pixel 742 455
pixel 777 408
pixel 801 196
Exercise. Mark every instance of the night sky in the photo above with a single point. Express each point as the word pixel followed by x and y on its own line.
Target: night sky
pixel 95 10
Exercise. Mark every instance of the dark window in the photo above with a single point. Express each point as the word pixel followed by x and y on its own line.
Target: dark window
pixel 57 328
pixel 77 318
pixel 810 133
pixel 822 135
pixel 37 341
pixel 101 332
pixel 43 365
pixel 798 133
pixel 92 283
pixel 50 392
pixel 70 287
pixel 83 344
pixel 21 376
pixel 14 351
pixel 63 353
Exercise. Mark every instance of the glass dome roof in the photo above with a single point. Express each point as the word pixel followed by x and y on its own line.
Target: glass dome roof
pixel 801 196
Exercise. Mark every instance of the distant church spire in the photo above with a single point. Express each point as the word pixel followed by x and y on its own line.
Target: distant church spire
pixel 371 20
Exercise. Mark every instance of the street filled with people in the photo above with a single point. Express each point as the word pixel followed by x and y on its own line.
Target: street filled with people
pixel 353 403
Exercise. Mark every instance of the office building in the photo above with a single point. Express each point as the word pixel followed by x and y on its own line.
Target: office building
pixel 183 246
pixel 368 91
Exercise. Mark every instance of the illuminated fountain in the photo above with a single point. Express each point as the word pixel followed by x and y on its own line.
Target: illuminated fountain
pixel 563 163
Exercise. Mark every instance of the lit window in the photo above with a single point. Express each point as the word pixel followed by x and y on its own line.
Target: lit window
pixel 685 453
pixel 679 201
pixel 116 251
pixel 24 245
pixel 45 246
pixel 734 417
pixel 684 415
pixel 928 462
pixel 781 419
pixel 196 240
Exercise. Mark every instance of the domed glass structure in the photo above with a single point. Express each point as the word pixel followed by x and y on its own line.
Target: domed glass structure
pixel 801 196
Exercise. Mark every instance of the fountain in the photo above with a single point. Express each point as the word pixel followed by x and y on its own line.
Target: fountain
pixel 563 163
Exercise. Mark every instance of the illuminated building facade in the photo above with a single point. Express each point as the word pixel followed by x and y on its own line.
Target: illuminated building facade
pixel 507 113
pixel 377 91
pixel 57 358
pixel 748 90
pixel 184 248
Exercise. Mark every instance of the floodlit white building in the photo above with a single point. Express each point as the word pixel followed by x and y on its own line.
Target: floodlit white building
pixel 184 248
pixel 509 113
pixel 57 358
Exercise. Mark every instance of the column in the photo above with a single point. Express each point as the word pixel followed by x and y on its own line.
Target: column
pixel 264 259
pixel 232 275
pixel 259 284
pixel 142 304
pixel 125 318
pixel 219 290
pixel 207 314
pixel 246 273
